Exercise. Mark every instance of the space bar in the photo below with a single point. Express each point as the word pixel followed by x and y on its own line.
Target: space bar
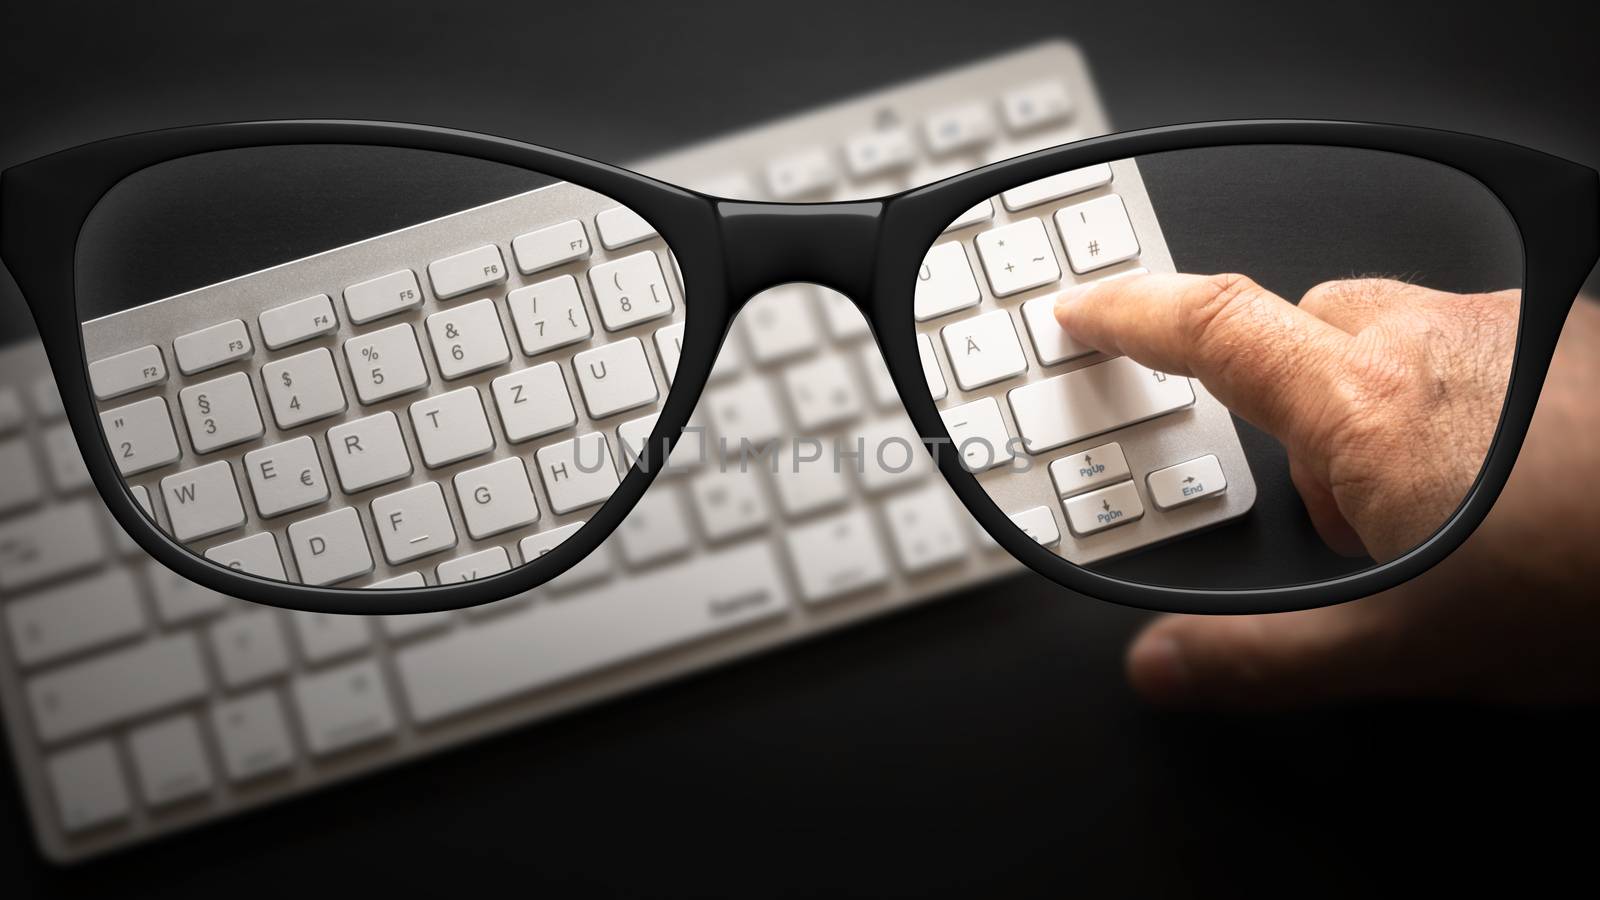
pixel 558 639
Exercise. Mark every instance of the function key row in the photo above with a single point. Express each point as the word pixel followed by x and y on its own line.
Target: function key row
pixel 894 147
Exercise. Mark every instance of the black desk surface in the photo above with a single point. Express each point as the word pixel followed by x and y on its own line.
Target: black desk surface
pixel 986 743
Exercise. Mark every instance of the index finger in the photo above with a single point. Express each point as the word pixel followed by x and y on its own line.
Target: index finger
pixel 1270 362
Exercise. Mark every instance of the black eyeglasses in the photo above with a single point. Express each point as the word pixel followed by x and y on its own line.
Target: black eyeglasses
pixel 341 420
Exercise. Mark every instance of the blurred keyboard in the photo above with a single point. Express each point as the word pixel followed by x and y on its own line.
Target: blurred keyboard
pixel 138 704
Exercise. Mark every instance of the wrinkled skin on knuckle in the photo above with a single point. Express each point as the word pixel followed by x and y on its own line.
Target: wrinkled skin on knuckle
pixel 1424 391
pixel 1223 320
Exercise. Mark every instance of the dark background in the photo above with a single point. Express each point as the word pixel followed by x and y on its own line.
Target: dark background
pixel 986 744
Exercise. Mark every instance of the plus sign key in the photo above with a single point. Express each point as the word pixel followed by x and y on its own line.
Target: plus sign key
pixel 1017 257
pixel 1097 233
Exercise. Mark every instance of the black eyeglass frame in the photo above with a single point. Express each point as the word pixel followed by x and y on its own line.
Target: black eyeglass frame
pixel 870 250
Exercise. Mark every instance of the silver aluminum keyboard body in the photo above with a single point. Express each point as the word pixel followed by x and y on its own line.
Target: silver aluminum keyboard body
pixel 409 691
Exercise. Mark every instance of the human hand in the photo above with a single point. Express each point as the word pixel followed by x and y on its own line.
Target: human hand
pixel 1352 381
pixel 1510 617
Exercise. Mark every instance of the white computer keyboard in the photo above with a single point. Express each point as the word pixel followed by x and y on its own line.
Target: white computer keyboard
pixel 138 704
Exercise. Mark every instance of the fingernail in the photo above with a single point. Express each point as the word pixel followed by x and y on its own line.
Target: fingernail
pixel 1065 298
pixel 1158 670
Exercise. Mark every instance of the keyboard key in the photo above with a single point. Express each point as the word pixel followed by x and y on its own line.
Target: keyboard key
pixel 344 707
pixel 807 479
pixel 835 556
pixel 126 372
pixel 892 455
pixel 385 364
pixel 369 452
pixel 405 627
pixel 1033 142
pixel 286 477
pixel 689 453
pixel 140 435
pixel 496 498
pixel 615 378
pixel 323 637
pixel 67 470
pixel 534 402
pixel 88 786
pixel 873 153
pixel 468 271
pixel 169 761
pixel 577 472
pixel 1095 467
pixel 979 435
pixel 202 501
pixel 302 320
pixel 382 296
pixel 221 412
pixel 926 528
pixel 451 427
pixel 980 212
pixel 592 568
pixel 55 541
pixel 876 373
pixel 252 735
pixel 1055 187
pixel 110 689
pixel 669 346
pixel 1035 104
pixel 249 647
pixel 208 348
pixel 256 555
pixel 803 173
pixel 743 414
pixel 1106 508
pixel 331 548
pixel 944 283
pixel 1017 257
pixel 90 612
pixel 141 496
pixel 983 349
pixel 822 394
pixel 47 400
pixel 468 339
pixel 1093 400
pixel 779 325
pixel 548 315
pixel 1186 482
pixel 473 566
pixel 549 247
pixel 1097 233
pixel 630 290
pixel 303 388
pixel 412 523
pixel 729 502
pixel 959 128
pixel 408 580
pixel 621 227
pixel 1039 524
pixel 655 529
pixel 1051 342
pixel 930 368
pixel 845 322
pixel 179 600
pixel 549 643
pixel 12 414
